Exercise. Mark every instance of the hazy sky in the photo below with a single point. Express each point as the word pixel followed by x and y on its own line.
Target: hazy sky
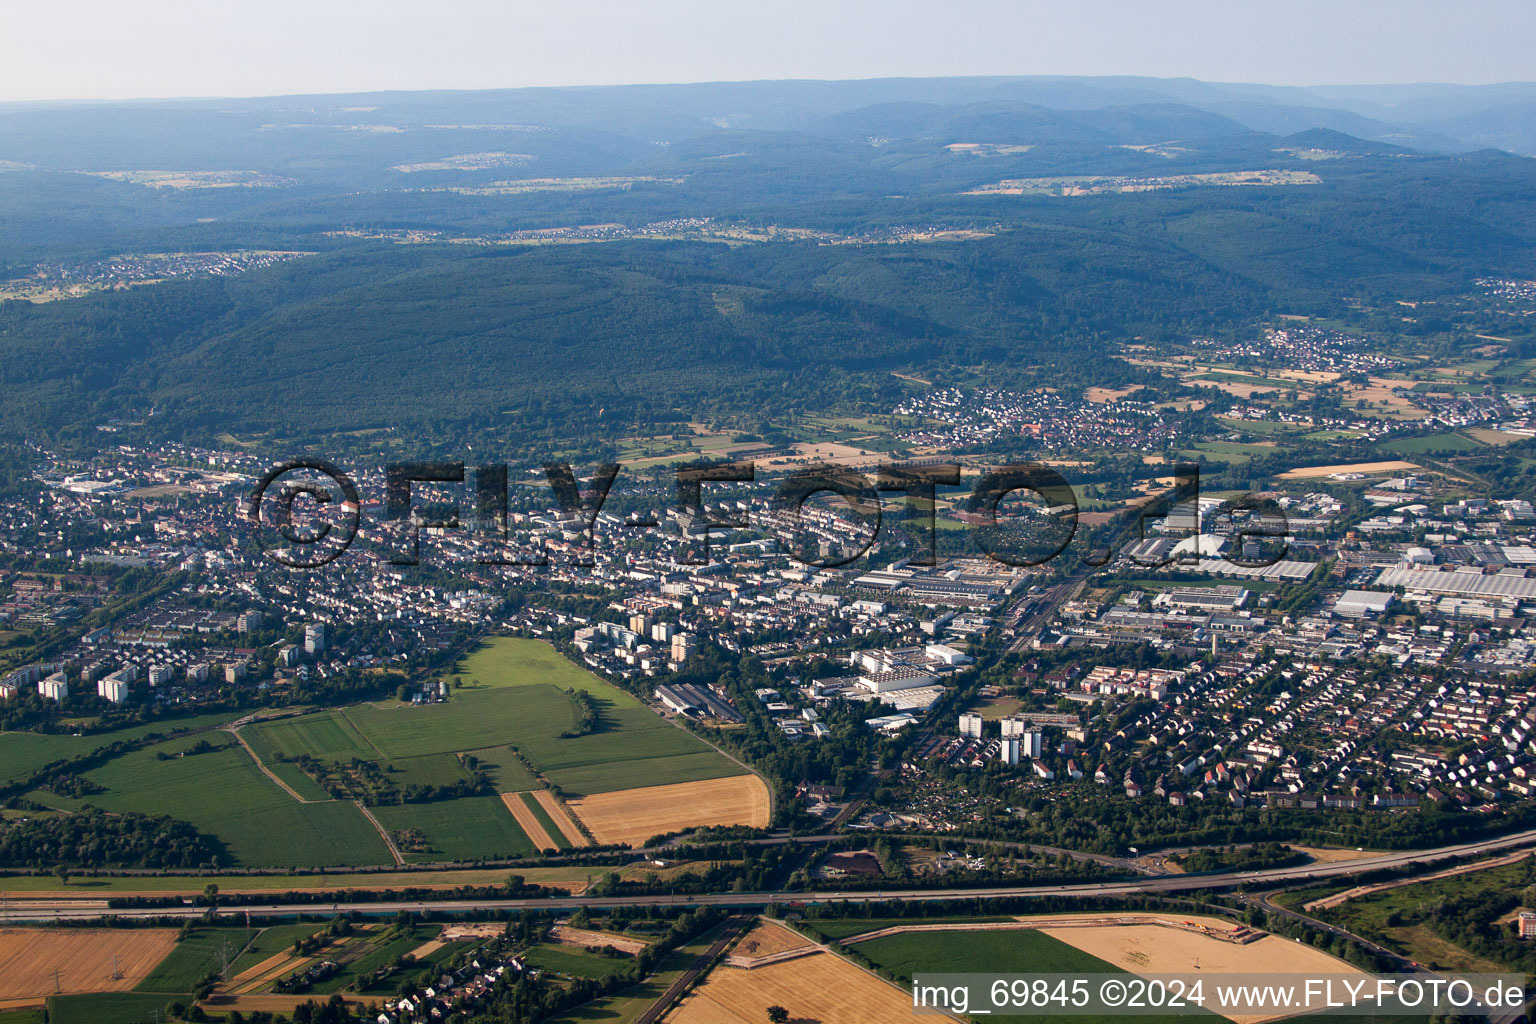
pixel 139 48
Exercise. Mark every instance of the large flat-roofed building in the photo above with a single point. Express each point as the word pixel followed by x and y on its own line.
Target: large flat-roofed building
pixel 1363 604
pixel 1505 584
pixel 970 725
pixel 900 677
pixel 1223 598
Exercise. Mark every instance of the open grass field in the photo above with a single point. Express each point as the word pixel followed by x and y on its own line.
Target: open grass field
pixel 511 708
pixel 911 953
pixel 326 735
pixel 820 987
pixel 512 695
pixel 108 1008
pixel 377 951
pixel 269 942
pixel 22 753
pixel 626 1005
pixel 82 957
pixel 469 828
pixel 1393 915
pixel 204 951
pixel 634 815
pixel 508 773
pixel 1432 444
pixel 224 794
pixel 575 963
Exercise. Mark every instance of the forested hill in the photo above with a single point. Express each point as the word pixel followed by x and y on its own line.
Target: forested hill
pixel 515 278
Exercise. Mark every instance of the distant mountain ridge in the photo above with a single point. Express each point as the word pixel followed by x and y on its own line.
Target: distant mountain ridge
pixel 1428 117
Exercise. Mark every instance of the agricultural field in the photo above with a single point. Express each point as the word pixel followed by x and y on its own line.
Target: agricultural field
pixel 224 794
pixel 204 951
pixel 840 928
pixel 820 987
pixel 468 828
pixel 512 695
pixel 83 959
pixel 626 1005
pixel 634 815
pixel 22 753
pixel 108 1008
pixel 508 712
pixel 1433 444
pixel 575 963
pixel 1006 952
pixel 552 813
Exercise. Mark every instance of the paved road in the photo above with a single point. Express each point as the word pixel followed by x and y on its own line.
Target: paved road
pixel 733 928
pixel 1160 884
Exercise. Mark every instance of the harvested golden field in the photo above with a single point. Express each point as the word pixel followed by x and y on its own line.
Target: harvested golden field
pixel 529 822
pixel 769 938
pixel 1149 949
pixel 1317 472
pixel 82 957
pixel 562 819
pixel 272 967
pixel 820 987
pixel 634 815
pixel 248 1004
pixel 1488 436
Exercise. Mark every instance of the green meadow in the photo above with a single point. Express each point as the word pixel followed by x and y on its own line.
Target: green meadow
pixel 508 712
pixel 224 794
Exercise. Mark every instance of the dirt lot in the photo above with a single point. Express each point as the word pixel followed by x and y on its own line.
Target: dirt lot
pixel 634 815
pixel 83 958
pixel 557 813
pixel 528 822
pixel 568 936
pixel 821 988
pixel 831 452
pixel 1332 854
pixel 455 932
pixel 1317 472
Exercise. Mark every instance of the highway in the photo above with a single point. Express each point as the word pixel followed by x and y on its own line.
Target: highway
pixel 17 911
